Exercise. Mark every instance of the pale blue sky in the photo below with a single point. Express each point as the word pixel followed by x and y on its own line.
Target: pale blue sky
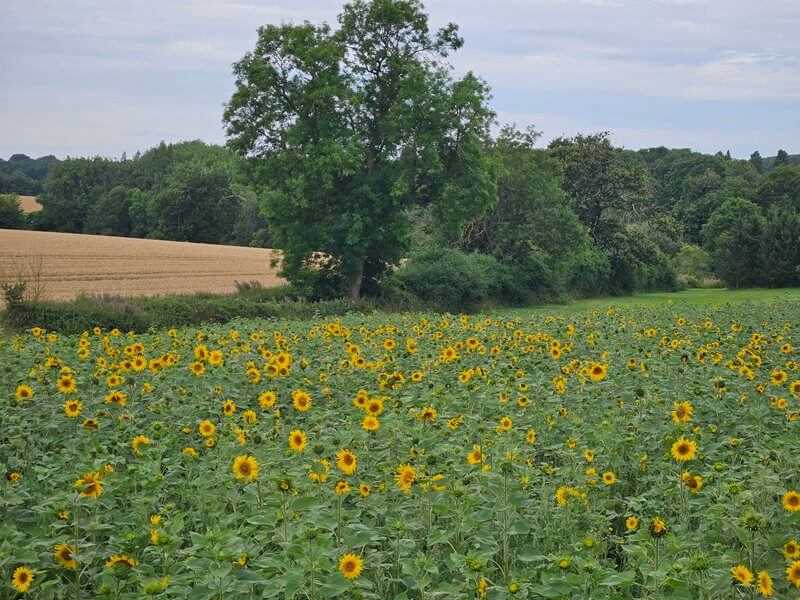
pixel 88 77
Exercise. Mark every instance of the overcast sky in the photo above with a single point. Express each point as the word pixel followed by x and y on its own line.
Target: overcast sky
pixel 85 77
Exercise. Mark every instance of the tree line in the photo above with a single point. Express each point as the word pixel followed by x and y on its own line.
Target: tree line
pixel 358 153
pixel 190 191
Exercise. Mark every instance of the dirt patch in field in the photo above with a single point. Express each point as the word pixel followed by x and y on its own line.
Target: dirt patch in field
pixel 67 264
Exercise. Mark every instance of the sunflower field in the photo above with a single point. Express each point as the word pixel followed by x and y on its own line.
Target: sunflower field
pixel 644 452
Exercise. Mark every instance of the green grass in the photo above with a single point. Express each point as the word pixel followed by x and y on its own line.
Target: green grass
pixel 691 297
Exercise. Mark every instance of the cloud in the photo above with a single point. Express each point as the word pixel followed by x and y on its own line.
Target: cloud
pixel 102 77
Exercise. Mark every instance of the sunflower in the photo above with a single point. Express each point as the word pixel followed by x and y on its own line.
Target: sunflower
pixel 267 400
pixel 245 467
pixel 21 579
pixel 505 424
pixel 350 565
pixel 741 575
pixel 793 573
pixel 207 428
pixel 476 456
pixel 63 555
pixel 342 487
pixel 346 461
pixel 530 437
pixel 609 478
pixel 197 368
pixel 795 387
pixel 90 424
pixel 404 477
pixel 215 358
pixel 228 408
pixel 139 440
pixel 778 377
pixel 302 401
pixel 631 523
pixel 190 452
pixel 597 372
pixel 73 408
pixel 66 383
pixel 764 584
pixel 297 440
pixel 658 527
pixel 791 501
pixel 370 423
pixel 791 550
pixel 427 413
pixel 121 559
pixel 364 490
pixel 589 455
pixel 116 398
pixel 24 392
pixel 683 449
pixel 90 484
pixel 694 483
pixel 374 407
pixel 682 413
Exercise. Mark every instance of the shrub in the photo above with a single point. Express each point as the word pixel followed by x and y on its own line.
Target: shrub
pixel 450 280
pixel 11 215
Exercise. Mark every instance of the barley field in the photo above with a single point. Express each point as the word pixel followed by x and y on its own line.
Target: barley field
pixel 29 204
pixel 66 264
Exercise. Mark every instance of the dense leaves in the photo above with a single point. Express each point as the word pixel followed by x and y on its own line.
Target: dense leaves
pixel 647 452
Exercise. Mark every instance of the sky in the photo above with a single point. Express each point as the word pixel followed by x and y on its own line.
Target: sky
pixel 103 77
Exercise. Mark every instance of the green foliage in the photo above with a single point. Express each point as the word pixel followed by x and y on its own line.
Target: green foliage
pixel 196 205
pixel 781 160
pixel 23 175
pixel 71 189
pixel 601 185
pixel 692 265
pixel 732 238
pixel 637 264
pixel 780 186
pixel 251 227
pixel 11 215
pixel 349 129
pixel 111 213
pixel 529 228
pixel 187 192
pixel 780 247
pixel 589 274
pixel 757 162
pixel 451 280
pixel 769 161
pixel 141 314
pixel 565 412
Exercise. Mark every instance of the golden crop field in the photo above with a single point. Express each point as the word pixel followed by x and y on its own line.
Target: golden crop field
pixel 29 204
pixel 69 264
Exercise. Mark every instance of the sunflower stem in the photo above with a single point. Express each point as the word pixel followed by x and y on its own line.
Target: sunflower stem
pixel 77 545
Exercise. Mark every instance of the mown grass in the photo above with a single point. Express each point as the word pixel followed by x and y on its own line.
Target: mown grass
pixel 691 297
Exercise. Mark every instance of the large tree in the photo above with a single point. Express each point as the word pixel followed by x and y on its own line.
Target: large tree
pixel 350 128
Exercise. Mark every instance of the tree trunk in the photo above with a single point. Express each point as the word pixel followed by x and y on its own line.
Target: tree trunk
pixel 354 287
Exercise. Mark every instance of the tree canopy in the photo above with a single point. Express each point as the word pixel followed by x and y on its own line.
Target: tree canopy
pixel 350 128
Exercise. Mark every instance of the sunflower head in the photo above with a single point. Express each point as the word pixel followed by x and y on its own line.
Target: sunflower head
pixel 350 566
